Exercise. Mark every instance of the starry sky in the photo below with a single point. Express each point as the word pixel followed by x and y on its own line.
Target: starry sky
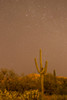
pixel 28 25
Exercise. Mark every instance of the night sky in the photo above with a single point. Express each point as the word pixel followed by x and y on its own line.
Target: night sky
pixel 28 25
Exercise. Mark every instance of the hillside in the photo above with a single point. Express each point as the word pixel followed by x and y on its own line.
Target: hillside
pixel 35 76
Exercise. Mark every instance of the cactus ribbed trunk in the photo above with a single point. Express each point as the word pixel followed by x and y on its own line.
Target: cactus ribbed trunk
pixel 42 85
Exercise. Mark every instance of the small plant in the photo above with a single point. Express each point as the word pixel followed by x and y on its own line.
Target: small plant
pixel 31 95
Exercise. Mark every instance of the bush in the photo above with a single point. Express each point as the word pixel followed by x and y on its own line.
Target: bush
pixel 59 97
pixel 10 81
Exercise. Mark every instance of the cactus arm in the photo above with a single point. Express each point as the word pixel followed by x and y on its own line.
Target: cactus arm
pixel 37 65
pixel 44 69
pixel 41 60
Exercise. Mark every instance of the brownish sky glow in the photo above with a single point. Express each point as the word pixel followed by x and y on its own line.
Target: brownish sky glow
pixel 28 25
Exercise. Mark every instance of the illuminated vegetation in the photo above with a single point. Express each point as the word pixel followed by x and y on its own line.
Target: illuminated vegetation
pixel 15 87
pixel 40 86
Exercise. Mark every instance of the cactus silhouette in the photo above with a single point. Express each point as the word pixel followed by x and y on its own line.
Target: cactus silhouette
pixel 42 72
pixel 54 74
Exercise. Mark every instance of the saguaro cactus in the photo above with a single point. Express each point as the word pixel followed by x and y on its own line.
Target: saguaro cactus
pixel 42 72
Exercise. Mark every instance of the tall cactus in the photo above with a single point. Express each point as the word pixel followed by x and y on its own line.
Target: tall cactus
pixel 42 72
pixel 54 74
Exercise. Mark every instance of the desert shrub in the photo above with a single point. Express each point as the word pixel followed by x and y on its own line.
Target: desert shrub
pixel 31 95
pixel 63 87
pixel 10 81
pixel 6 95
pixel 50 85
pixel 58 97
pixel 29 83
pixel 55 85
pixel 28 95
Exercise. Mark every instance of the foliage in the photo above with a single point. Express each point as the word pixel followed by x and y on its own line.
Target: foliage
pixel 55 85
pixel 10 81
pixel 28 95
pixel 58 97
pixel 6 95
pixel 32 95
